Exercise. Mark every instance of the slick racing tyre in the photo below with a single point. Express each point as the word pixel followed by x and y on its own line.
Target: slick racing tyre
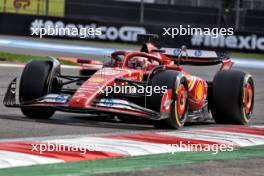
pixel 171 103
pixel 233 97
pixel 35 83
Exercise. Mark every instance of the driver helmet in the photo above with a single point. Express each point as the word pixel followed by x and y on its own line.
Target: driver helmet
pixel 138 63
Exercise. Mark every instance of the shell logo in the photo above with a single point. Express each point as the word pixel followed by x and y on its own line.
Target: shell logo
pixel 129 72
pixel 199 91
pixel 191 82
pixel 166 101
pixel 141 76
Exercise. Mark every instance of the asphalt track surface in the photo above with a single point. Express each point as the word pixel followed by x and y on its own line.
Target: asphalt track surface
pixel 14 125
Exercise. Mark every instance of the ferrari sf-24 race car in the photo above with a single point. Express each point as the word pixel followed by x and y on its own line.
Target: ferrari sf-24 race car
pixel 229 96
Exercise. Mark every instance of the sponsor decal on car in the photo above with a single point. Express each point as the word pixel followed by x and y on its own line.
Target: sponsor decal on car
pixel 166 101
pixel 176 51
pixel 190 53
pixel 55 98
pixel 199 91
pixel 107 102
pixel 198 53
pixel 97 79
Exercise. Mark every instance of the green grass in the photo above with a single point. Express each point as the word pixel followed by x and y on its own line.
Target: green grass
pixel 21 58
pixel 247 55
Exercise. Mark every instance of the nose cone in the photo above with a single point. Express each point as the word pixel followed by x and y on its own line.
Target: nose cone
pixel 95 85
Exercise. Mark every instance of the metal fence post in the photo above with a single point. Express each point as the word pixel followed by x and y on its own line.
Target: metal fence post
pixel 220 10
pixel 47 7
pixel 142 11
pixel 237 14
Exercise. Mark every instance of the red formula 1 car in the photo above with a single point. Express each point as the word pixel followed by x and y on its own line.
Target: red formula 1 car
pixel 151 83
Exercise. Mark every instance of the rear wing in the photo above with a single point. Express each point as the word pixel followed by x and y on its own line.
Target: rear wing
pixel 194 57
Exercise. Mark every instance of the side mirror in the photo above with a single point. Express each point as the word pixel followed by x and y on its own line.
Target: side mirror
pixel 158 51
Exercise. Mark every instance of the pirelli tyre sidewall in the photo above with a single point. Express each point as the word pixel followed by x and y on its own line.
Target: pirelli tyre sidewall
pixel 176 82
pixel 35 82
pixel 233 97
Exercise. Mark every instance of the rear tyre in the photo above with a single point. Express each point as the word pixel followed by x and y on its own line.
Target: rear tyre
pixel 35 83
pixel 172 103
pixel 233 97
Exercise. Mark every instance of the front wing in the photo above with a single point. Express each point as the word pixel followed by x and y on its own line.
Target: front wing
pixel 100 106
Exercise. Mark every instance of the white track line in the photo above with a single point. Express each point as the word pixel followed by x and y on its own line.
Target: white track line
pixel 22 65
pixel 248 63
pixel 12 65
pixel 57 47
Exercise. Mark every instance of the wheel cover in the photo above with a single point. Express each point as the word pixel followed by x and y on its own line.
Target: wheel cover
pixel 181 101
pixel 248 98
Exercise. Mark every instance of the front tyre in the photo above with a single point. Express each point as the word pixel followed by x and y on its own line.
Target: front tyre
pixel 172 103
pixel 35 82
pixel 38 113
pixel 233 97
